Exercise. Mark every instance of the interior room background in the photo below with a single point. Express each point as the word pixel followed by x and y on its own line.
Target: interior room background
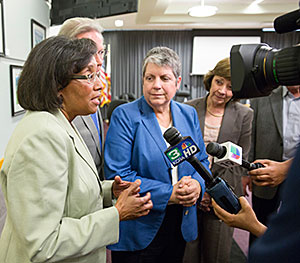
pixel 127 51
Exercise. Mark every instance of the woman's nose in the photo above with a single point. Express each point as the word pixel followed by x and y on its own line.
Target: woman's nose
pixel 157 83
pixel 222 89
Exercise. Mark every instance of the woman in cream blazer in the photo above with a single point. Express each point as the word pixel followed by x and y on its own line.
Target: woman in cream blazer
pixel 53 195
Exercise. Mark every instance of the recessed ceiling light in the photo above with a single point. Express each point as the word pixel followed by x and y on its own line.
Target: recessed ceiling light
pixel 202 10
pixel 119 23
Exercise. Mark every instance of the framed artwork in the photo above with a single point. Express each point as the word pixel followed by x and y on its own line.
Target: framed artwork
pixel 2 45
pixel 15 72
pixel 38 33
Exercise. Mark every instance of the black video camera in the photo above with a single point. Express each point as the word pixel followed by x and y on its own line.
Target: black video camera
pixel 257 69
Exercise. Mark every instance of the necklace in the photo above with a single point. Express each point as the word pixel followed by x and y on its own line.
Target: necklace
pixel 215 115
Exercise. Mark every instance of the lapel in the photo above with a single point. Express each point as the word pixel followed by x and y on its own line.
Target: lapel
pixel 152 127
pixel 90 125
pixel 230 116
pixel 101 131
pixel 79 144
pixel 179 119
pixel 201 110
pixel 276 106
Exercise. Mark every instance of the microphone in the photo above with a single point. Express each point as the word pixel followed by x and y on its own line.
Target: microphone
pixel 229 154
pixel 184 149
pixel 287 22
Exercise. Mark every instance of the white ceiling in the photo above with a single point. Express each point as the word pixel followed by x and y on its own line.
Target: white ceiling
pixel 173 14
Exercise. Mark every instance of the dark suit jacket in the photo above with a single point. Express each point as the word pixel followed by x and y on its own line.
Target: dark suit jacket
pixel 134 149
pixel 281 242
pixel 235 127
pixel 267 141
pixel 89 133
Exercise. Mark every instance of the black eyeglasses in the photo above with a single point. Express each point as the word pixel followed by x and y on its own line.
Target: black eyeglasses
pixel 102 53
pixel 91 78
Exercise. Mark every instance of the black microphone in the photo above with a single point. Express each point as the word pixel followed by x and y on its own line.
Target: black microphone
pixel 226 155
pixel 287 22
pixel 183 149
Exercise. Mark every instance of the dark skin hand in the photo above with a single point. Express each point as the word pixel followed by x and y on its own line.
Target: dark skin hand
pixel 131 205
pixel 244 219
pixel 273 174
pixel 119 185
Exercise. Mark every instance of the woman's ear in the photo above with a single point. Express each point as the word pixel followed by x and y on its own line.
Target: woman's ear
pixel 178 81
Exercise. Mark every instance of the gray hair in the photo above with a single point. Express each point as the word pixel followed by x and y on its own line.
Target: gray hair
pixel 163 56
pixel 72 27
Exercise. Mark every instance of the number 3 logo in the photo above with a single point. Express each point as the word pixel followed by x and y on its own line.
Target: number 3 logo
pixel 174 154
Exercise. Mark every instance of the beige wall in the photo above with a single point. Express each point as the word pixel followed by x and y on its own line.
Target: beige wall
pixel 17 34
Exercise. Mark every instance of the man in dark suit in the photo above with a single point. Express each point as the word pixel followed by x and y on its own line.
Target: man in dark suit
pixel 91 126
pixel 271 141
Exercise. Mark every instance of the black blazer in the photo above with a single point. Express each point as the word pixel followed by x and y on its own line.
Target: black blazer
pixel 267 140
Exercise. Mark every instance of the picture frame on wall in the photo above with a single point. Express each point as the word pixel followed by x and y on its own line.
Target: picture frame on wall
pixel 15 72
pixel 38 33
pixel 2 42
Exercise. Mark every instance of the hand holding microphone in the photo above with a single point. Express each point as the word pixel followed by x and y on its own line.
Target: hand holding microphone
pixel 184 149
pixel 229 154
pixel 273 174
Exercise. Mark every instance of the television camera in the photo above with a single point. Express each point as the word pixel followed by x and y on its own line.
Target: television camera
pixel 257 69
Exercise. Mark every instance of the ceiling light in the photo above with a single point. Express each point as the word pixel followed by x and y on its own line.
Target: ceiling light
pixel 202 10
pixel 119 23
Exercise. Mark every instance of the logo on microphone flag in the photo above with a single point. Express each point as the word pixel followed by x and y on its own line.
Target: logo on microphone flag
pixel 184 145
pixel 235 153
pixel 181 151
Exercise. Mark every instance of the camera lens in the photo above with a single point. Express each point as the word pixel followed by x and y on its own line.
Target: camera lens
pixel 256 69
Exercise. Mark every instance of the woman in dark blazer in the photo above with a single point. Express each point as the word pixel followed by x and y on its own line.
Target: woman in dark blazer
pixel 221 119
pixel 135 147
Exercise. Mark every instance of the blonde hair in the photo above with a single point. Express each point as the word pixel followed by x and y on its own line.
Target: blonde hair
pixel 72 27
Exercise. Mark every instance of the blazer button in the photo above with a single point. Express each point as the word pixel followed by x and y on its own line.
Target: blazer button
pixel 186 212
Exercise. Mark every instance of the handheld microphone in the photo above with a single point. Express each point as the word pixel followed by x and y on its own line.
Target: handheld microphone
pixel 287 22
pixel 229 154
pixel 184 149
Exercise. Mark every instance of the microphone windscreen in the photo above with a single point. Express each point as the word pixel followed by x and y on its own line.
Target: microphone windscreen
pixel 216 150
pixel 287 22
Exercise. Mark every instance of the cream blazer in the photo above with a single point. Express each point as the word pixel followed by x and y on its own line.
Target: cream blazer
pixel 53 196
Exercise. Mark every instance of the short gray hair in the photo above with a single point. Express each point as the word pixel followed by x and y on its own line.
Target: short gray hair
pixel 163 56
pixel 72 27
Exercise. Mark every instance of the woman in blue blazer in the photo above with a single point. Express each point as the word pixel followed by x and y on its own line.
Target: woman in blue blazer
pixel 134 149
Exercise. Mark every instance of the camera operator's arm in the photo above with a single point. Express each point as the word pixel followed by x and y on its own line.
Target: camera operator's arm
pixel 273 174
pixel 245 219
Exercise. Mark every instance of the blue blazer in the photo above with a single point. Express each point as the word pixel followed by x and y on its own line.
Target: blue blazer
pixel 134 149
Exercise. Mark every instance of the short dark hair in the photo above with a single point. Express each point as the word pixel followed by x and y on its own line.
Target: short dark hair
pixel 49 68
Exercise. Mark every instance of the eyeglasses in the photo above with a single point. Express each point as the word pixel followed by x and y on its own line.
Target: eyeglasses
pixel 91 78
pixel 102 53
